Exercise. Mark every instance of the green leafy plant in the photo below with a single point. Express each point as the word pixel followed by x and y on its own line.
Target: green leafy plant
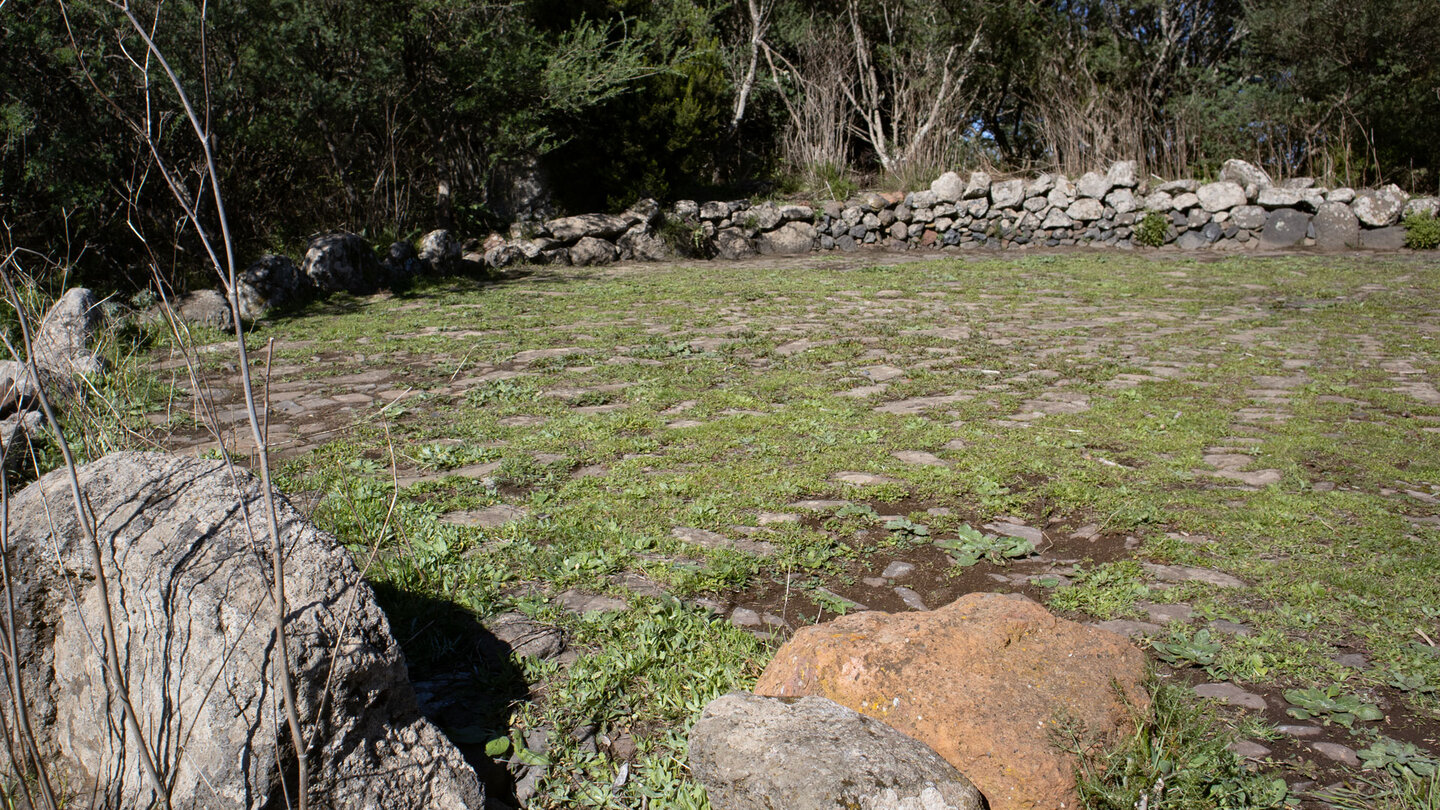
pixel 1184 650
pixel 1330 705
pixel 1422 231
pixel 972 546
pixel 907 526
pixel 1151 230
pixel 1402 759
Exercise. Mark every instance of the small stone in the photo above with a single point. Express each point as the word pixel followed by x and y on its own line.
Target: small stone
pixel 1087 532
pixel 1299 731
pixel 863 478
pixel 773 518
pixel 1164 614
pixel 744 617
pixel 1231 694
pixel 911 598
pixel 876 582
pixel 1016 530
pixel 898 570
pixel 1343 754
pixel 1182 573
pixel 1352 660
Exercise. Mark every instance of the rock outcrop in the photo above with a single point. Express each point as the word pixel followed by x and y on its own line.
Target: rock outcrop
pixel 185 556
pixel 982 681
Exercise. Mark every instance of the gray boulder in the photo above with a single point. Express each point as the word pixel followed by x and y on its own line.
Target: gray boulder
pixel 1094 185
pixel 342 262
pixel 1040 186
pixel 790 238
pixel 1122 200
pixel 1377 208
pixel 1184 201
pixel 714 211
pixel 1342 194
pixel 1086 209
pixel 1336 227
pixel 642 245
pixel 1159 201
pixel 1177 187
pixel 646 212
pixel 1061 194
pixel 1192 240
pixel 207 308
pixel 14 430
pixel 62 343
pixel 1056 218
pixel 274 281
pixel 685 210
pixel 731 243
pixel 593 226
pixel 978 187
pixel 1422 206
pixel 1220 196
pixel 190 599
pixel 1122 174
pixel 1249 217
pixel 1245 174
pixel 590 250
pixel 505 255
pixel 759 753
pixel 1388 238
pixel 439 252
pixel 1007 193
pixel 948 187
pixel 1284 227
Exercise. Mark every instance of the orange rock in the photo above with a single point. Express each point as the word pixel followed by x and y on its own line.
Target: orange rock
pixel 983 681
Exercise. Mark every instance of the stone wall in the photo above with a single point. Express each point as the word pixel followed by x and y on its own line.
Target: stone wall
pixel 1241 210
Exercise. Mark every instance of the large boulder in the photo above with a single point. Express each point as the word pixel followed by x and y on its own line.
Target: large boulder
pixel 61 345
pixel 439 252
pixel 643 245
pixel 1220 196
pixel 978 187
pixel 790 238
pixel 595 226
pixel 1244 174
pixel 590 251
pixel 1284 227
pixel 1086 209
pixel 1249 217
pixel 948 187
pixel 1422 206
pixel 274 281
pixel 731 243
pixel 207 308
pixel 1094 185
pixel 1379 207
pixel 1336 227
pixel 342 262
pixel 1122 174
pixel 758 753
pixel 982 681
pixel 1007 193
pixel 186 559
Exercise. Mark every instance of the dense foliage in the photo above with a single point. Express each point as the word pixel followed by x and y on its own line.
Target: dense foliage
pixel 390 118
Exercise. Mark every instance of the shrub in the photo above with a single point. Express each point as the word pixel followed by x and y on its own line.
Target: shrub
pixel 1422 231
pixel 1151 230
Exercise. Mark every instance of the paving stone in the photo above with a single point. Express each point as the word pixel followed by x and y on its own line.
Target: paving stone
pixel 584 604
pixel 880 373
pixel 1343 754
pixel 1164 614
pixel 1229 628
pixel 876 582
pixel 775 518
pixel 1231 694
pixel 1249 749
pixel 1299 731
pixel 681 424
pixel 490 517
pixel 919 404
pixel 1130 628
pixel 921 458
pixel 819 505
pixel 863 478
pixel 709 539
pixel 1184 573
pixel 1087 532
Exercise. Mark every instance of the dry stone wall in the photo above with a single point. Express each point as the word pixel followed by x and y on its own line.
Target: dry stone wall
pixel 1241 210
